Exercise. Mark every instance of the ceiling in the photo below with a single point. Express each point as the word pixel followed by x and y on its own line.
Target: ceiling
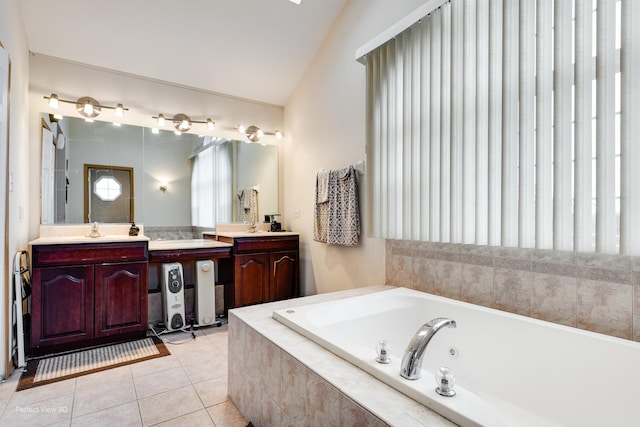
pixel 253 49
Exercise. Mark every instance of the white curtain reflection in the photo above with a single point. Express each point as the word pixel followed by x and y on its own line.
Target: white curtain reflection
pixel 211 185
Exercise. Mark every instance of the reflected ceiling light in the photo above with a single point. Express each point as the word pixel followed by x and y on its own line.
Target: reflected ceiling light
pixel 86 106
pixel 295 1
pixel 253 133
pixel 155 130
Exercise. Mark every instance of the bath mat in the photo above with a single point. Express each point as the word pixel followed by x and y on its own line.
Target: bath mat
pixel 69 365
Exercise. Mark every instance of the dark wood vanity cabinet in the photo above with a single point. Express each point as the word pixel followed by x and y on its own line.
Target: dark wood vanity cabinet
pixel 265 269
pixel 84 294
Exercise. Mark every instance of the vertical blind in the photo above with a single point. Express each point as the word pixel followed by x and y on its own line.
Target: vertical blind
pixel 211 185
pixel 509 122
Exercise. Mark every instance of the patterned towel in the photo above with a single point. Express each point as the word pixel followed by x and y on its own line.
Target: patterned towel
pixel 337 220
pixel 321 210
pixel 248 206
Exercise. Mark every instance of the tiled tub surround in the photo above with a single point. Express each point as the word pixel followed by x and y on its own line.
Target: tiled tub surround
pixel 278 377
pixel 510 370
pixel 595 292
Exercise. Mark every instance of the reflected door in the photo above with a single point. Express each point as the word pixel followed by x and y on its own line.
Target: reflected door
pixel 108 194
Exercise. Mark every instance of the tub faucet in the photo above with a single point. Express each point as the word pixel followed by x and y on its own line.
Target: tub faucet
pixel 412 360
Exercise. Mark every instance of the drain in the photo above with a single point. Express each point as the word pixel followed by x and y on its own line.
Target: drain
pixel 453 351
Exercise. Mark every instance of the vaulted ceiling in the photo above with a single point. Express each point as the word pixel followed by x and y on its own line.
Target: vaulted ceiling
pixel 254 49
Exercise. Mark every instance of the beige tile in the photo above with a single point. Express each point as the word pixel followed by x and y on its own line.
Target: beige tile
pixel 477 284
pixel 169 405
pixel 43 393
pixel 44 412
pixel 294 387
pixel 605 307
pixel 323 402
pixel 512 291
pixel 160 382
pixel 424 274
pixel 92 395
pixel 207 369
pixel 272 415
pixel 636 312
pixel 226 415
pixel 154 365
pixel 195 419
pixel 213 391
pixel 270 380
pixel 399 270
pixel 351 414
pixel 448 279
pixel 554 299
pixel 125 415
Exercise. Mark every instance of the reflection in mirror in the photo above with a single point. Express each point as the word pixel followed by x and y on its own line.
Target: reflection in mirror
pixel 181 182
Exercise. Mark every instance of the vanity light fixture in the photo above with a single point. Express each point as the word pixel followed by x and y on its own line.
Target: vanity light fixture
pixel 86 106
pixel 254 133
pixel 183 123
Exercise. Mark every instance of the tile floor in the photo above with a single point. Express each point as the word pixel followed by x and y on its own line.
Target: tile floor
pixel 187 388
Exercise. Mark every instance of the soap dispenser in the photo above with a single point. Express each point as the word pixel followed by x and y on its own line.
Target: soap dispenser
pixel 134 229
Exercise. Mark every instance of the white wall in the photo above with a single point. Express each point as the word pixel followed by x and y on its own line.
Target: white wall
pixel 13 39
pixel 325 126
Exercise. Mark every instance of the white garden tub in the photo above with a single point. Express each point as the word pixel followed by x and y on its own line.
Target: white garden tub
pixel 510 370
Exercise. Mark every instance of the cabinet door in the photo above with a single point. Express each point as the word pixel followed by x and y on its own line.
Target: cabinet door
pixel 251 279
pixel 62 305
pixel 284 275
pixel 120 298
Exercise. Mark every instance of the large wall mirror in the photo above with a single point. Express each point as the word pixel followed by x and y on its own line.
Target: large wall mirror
pixel 179 180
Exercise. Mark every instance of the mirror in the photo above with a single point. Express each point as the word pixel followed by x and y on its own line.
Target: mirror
pixel 163 166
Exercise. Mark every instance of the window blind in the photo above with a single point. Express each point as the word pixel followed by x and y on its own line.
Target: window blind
pixel 510 122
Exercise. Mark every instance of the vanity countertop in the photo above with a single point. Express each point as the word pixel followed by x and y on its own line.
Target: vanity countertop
pixel 259 233
pixel 71 240
pixel 165 245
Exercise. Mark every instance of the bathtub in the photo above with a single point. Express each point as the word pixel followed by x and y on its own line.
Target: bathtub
pixel 510 370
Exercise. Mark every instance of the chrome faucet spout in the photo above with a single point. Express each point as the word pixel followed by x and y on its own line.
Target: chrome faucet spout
pixel 412 361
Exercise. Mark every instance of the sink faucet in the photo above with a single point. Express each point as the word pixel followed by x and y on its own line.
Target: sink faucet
pixel 412 360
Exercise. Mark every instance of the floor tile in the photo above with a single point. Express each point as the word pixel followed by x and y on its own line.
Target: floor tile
pixel 186 388
pixel 226 415
pixel 169 405
pixel 125 415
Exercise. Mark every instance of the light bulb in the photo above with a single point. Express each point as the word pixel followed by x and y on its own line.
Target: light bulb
pixel 54 102
pixel 241 129
pixel 88 109
pixel 260 133
pixel 278 134
pixel 160 120
pixel 211 125
pixel 119 110
pixel 184 125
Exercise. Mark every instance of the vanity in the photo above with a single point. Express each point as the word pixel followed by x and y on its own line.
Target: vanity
pixel 87 291
pixel 265 266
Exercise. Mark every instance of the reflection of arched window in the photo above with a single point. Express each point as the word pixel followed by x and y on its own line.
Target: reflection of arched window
pixel 107 188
